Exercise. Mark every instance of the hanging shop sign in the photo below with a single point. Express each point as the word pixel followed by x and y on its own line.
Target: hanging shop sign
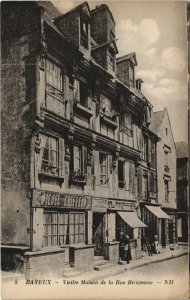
pixel 49 199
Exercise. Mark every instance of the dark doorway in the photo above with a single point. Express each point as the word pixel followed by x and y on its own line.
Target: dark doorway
pixel 170 231
pixel 98 233
pixel 163 232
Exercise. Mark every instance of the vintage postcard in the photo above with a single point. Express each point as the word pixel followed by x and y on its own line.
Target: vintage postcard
pixel 94 152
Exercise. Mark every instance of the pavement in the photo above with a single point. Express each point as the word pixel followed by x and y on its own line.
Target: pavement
pixel 116 269
pixel 145 260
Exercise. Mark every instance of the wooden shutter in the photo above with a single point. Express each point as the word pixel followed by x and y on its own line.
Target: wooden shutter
pixel 84 162
pixel 132 178
pixel 61 157
pixel 149 150
pixel 127 175
pixel 139 181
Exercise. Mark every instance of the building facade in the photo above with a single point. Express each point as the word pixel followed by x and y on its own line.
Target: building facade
pixel 79 145
pixel 166 170
pixel 182 191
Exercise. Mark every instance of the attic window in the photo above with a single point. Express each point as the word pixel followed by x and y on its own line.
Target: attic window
pixel 131 75
pixel 84 32
pixel 111 60
pixel 166 131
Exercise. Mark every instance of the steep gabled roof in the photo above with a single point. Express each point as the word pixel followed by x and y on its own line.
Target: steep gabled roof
pixel 83 6
pixel 131 56
pixel 182 149
pixel 158 117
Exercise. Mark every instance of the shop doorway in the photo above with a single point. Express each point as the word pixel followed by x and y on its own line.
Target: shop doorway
pixel 170 232
pixel 98 233
pixel 163 232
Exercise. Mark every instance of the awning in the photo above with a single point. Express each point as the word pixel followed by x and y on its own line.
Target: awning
pixel 131 219
pixel 158 212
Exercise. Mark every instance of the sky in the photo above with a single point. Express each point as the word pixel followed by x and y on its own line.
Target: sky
pixel 156 32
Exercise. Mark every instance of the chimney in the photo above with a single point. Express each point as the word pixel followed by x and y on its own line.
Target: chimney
pixel 139 82
pixel 103 33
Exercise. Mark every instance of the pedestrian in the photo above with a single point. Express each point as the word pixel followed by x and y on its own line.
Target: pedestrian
pixel 128 255
pixel 122 245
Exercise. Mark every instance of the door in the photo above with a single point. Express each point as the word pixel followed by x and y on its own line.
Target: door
pixel 163 232
pixel 98 233
pixel 170 233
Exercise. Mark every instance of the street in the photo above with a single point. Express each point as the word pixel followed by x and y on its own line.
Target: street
pixel 165 280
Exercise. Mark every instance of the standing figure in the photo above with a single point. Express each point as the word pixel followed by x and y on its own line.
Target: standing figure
pixel 128 256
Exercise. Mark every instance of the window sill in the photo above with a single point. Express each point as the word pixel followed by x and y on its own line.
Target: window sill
pixel 108 121
pixel 43 175
pixel 86 111
pixel 127 131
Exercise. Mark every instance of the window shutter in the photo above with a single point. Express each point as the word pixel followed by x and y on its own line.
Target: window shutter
pixel 76 90
pixel 139 180
pixel 61 157
pixel 109 171
pixel 127 175
pixel 132 178
pixel 71 158
pixel 149 150
pixel 84 153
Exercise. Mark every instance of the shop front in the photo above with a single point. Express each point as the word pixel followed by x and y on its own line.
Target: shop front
pixel 99 225
pixel 125 219
pixel 60 222
pixel 157 221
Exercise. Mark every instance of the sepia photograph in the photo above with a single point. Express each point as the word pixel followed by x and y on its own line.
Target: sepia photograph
pixel 94 150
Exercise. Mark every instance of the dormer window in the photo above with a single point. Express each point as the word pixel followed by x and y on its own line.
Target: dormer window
pixel 111 60
pixel 131 75
pixel 84 32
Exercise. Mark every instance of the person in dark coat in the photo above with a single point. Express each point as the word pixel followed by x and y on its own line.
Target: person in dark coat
pixel 122 245
pixel 128 256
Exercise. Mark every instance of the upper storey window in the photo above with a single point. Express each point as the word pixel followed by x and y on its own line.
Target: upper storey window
pixel 84 32
pixel 107 107
pixel 50 156
pixel 54 81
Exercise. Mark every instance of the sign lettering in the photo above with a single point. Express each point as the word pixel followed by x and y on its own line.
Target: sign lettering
pixel 48 199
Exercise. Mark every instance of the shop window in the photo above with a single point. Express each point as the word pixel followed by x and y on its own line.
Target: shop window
pixel 84 32
pixel 145 187
pixel 62 228
pixel 166 187
pixel 103 168
pixel 54 82
pixel 121 174
pixel 121 226
pixel 50 156
pixel 78 163
pixel 144 148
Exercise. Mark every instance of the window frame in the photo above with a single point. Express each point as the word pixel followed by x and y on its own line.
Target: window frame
pixel 145 187
pixel 48 161
pixel 54 90
pixel 84 37
pixel 121 183
pixel 166 190
pixel 106 167
pixel 57 232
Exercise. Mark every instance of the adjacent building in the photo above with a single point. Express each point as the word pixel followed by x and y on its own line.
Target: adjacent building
pixel 79 147
pixel 166 172
pixel 182 191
